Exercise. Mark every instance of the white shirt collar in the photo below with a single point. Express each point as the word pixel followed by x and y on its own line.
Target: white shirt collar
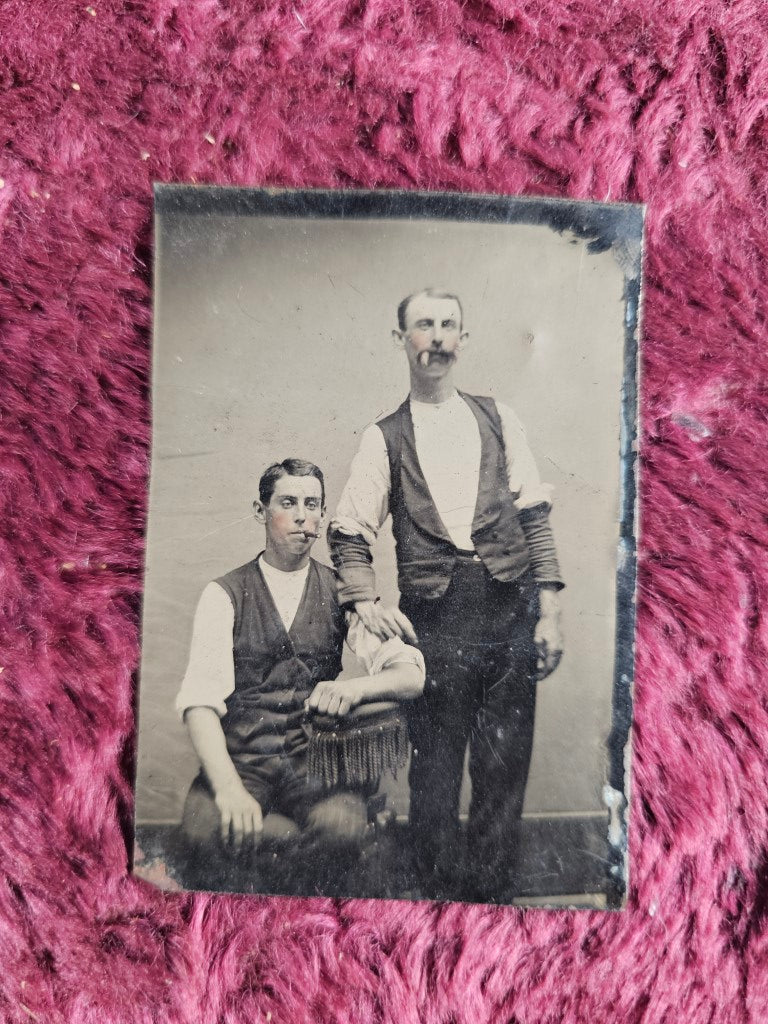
pixel 280 574
pixel 452 400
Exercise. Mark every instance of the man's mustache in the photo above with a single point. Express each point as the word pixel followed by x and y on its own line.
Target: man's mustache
pixel 425 357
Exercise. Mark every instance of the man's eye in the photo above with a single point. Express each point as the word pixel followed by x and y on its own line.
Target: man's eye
pixel 449 323
pixel 313 505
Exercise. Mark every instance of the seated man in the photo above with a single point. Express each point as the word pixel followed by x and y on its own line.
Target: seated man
pixel 266 646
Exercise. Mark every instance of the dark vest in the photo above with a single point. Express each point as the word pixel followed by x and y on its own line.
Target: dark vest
pixel 275 670
pixel 426 555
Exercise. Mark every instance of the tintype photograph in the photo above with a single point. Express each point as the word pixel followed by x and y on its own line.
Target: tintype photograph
pixel 388 622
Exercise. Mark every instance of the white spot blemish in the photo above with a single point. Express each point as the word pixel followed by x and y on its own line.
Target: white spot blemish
pixel 693 426
pixel 613 800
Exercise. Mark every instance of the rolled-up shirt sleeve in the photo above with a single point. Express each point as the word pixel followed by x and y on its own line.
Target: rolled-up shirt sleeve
pixel 362 508
pixel 376 655
pixel 533 500
pixel 535 524
pixel 210 675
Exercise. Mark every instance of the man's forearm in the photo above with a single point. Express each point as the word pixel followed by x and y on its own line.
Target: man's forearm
pixel 210 745
pixel 353 560
pixel 400 681
pixel 549 600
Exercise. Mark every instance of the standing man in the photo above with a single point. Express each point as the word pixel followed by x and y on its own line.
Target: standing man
pixel 479 581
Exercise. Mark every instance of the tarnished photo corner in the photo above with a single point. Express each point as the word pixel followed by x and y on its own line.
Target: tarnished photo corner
pixel 269 305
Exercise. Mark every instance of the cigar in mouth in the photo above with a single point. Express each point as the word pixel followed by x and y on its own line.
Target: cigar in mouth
pixel 309 535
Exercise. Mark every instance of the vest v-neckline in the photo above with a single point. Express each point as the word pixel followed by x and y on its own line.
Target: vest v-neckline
pixel 410 436
pixel 286 633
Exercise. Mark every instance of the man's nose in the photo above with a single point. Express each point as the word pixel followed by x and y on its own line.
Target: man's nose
pixel 300 514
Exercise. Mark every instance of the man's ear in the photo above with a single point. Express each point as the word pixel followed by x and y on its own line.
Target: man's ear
pixel 463 340
pixel 259 512
pixel 398 337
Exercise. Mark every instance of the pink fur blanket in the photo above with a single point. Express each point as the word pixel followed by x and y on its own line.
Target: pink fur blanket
pixel 661 103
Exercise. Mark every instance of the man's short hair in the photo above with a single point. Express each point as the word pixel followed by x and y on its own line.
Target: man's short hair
pixel 433 293
pixel 288 467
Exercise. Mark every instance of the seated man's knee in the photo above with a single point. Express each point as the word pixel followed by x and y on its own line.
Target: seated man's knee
pixel 339 820
pixel 200 820
pixel 279 829
pixel 201 824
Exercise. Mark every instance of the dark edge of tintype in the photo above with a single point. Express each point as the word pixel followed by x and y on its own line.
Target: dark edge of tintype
pixel 619 743
pixel 602 226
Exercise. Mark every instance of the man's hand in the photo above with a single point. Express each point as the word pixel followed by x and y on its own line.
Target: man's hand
pixel 240 814
pixel 547 637
pixel 336 697
pixel 385 622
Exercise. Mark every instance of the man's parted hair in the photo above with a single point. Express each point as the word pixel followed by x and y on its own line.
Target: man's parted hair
pixel 288 467
pixel 433 293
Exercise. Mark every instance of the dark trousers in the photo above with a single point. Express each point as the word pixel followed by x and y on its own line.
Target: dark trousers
pixel 311 842
pixel 477 642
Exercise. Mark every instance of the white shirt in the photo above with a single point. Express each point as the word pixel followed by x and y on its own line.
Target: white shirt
pixel 449 448
pixel 285 589
pixel 210 675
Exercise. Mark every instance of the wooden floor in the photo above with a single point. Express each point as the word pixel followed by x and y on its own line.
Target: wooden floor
pixel 565 862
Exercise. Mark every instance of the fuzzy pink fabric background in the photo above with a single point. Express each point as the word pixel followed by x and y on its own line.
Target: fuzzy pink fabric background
pixel 662 103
